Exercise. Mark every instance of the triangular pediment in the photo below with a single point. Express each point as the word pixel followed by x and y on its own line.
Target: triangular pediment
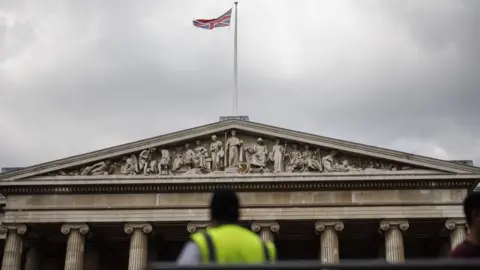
pixel 170 155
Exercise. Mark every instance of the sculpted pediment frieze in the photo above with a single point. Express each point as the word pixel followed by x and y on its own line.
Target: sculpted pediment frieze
pixel 235 151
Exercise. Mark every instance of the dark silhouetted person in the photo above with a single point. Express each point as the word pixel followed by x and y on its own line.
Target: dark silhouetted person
pixel 470 248
pixel 225 242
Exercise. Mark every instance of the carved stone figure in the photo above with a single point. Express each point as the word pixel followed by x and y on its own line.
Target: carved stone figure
pixel 226 155
pixel 310 162
pixel 177 162
pixel 234 146
pixel 164 163
pixel 200 157
pixel 188 156
pixel 99 168
pixel 146 165
pixel 296 160
pixel 184 162
pixel 331 165
pixel 131 165
pixel 257 155
pixel 217 154
pixel 277 155
pixel 344 166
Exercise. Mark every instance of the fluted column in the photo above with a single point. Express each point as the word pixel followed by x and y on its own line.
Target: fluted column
pixel 266 229
pixel 138 244
pixel 195 226
pixel 75 245
pixel 458 231
pixel 329 249
pixel 32 258
pixel 394 249
pixel 12 252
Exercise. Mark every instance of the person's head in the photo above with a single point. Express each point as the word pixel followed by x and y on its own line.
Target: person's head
pixel 224 206
pixel 214 138
pixel 471 208
pixel 233 132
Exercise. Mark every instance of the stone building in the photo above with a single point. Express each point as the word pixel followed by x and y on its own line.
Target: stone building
pixel 317 197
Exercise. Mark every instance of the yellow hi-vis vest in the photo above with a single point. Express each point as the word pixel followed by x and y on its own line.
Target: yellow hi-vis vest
pixel 233 244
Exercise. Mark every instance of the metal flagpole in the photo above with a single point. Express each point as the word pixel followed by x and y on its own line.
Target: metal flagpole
pixel 235 68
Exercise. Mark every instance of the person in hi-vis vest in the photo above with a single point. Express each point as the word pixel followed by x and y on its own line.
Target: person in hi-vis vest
pixel 226 242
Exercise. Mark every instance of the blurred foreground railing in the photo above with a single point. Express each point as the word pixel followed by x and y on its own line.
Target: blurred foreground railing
pixel 353 265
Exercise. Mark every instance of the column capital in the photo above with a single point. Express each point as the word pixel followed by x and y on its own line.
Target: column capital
pixel 195 226
pixel 453 223
pixel 387 224
pixel 272 226
pixel 17 228
pixel 81 227
pixel 145 227
pixel 320 225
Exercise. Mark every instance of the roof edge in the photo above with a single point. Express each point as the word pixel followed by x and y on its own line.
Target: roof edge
pixel 207 129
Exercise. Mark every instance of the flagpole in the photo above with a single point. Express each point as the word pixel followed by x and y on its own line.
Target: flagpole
pixel 235 64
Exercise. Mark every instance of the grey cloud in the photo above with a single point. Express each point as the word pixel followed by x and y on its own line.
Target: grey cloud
pixel 111 74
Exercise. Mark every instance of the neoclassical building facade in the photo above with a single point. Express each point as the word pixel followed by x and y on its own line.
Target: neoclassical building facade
pixel 316 197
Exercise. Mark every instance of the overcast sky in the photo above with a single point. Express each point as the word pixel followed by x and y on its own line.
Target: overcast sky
pixel 78 76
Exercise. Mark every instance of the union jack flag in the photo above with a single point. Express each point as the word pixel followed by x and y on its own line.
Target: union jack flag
pixel 221 21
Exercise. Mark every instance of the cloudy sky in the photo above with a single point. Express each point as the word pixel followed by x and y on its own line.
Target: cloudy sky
pixel 77 76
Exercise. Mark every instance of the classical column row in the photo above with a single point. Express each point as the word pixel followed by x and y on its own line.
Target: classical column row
pixel 75 258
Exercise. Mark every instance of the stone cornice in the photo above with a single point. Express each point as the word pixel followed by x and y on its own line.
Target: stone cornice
pixel 279 182
pixel 252 127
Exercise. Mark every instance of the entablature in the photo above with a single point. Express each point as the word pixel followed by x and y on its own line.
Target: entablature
pixel 270 213
pixel 247 182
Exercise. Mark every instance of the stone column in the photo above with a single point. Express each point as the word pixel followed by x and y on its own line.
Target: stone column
pixel 12 252
pixel 194 226
pixel 266 229
pixel 32 258
pixel 329 249
pixel 75 245
pixel 138 244
pixel 458 231
pixel 394 249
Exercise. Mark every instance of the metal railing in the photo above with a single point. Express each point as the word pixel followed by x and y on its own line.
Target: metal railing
pixel 441 264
